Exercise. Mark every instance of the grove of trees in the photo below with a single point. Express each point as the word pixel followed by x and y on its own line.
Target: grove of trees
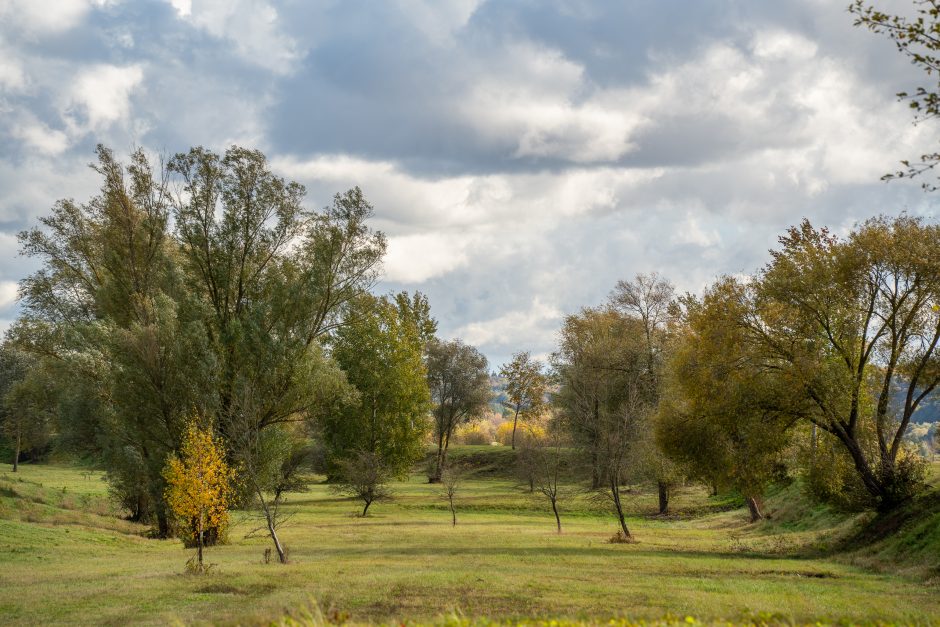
pixel 207 289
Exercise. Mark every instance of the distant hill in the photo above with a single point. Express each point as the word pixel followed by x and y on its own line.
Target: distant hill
pixel 498 389
pixel 929 410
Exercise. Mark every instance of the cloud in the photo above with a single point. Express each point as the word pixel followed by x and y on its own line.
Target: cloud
pixel 251 27
pixel 417 258
pixel 12 76
pixel 521 157
pixel 439 20
pixel 513 329
pixel 101 96
pixel 40 137
pixel 46 17
pixel 7 293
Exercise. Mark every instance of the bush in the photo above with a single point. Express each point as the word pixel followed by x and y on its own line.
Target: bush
pixel 830 477
pixel 525 433
pixel 474 434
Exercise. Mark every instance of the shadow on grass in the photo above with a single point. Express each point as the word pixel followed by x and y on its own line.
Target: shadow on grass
pixel 601 549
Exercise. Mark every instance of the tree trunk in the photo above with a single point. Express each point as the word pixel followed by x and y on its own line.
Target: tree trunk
pixel 663 498
pixel 199 550
pixel 163 523
pixel 615 492
pixel 714 489
pixel 557 517
pixel 453 513
pixel 753 504
pixel 874 486
pixel 272 526
pixel 443 443
pixel 515 419
pixel 595 471
pixel 366 508
pixel 282 558
pixel 16 453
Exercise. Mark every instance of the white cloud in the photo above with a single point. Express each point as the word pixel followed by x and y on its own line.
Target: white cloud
pixel 40 137
pixel 690 231
pixel 41 17
pixel 779 45
pixel 535 96
pixel 184 8
pixel 726 140
pixel 102 93
pixel 523 327
pixel 252 27
pixel 438 20
pixel 12 75
pixel 417 258
pixel 7 293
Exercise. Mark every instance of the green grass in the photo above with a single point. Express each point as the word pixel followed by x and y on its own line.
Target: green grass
pixel 66 558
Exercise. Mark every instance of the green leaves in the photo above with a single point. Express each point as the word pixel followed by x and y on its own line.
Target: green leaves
pixel 381 351
pixel 917 37
pixel 223 314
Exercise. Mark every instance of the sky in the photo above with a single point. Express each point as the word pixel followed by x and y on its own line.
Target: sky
pixel 522 157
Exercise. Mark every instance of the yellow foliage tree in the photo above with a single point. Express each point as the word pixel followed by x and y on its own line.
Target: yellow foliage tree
pixel 199 486
pixel 530 433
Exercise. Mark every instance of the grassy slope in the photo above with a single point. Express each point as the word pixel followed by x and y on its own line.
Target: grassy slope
pixel 65 558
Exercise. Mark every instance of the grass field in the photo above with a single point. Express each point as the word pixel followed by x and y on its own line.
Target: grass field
pixel 65 557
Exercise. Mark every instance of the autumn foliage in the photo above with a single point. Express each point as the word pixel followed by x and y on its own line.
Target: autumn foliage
pixel 199 486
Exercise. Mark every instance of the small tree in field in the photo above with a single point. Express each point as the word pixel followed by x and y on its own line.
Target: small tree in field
pixel 199 486
pixel 451 480
pixel 548 462
pixel 365 476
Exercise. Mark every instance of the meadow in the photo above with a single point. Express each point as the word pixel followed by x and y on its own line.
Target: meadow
pixel 67 557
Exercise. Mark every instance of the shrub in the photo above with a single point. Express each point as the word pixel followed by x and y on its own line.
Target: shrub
pixel 474 434
pixel 525 433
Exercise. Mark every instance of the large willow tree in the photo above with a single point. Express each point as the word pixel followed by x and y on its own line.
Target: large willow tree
pixel 205 286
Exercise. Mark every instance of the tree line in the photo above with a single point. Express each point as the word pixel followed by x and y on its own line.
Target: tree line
pixel 202 296
pixel 200 303
pixel 812 367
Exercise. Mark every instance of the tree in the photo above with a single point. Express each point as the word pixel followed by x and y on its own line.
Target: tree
pixel 381 352
pixel 27 403
pixel 525 389
pixel 650 299
pixel 223 315
pixel 849 323
pixel 603 399
pixel 108 308
pixel 548 460
pixel 451 480
pixel 415 310
pixel 276 278
pixel 199 486
pixel 916 36
pixel 364 476
pixel 723 415
pixel 272 463
pixel 13 368
pixel 460 391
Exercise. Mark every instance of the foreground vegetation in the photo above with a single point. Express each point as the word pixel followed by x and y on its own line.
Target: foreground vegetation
pixel 65 557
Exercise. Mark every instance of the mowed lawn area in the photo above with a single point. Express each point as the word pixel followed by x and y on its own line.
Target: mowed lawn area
pixel 66 557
